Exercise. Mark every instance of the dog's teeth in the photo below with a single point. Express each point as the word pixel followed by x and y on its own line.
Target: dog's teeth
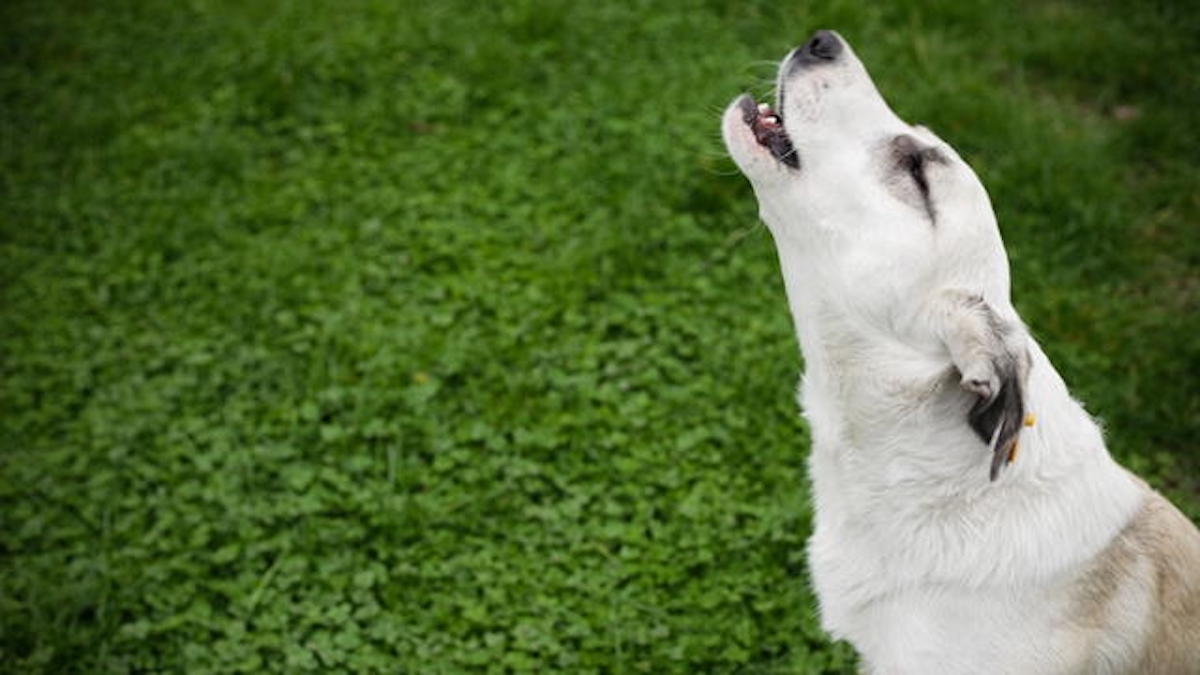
pixel 770 120
pixel 764 109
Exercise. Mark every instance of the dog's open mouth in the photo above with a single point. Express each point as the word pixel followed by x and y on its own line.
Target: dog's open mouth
pixel 767 126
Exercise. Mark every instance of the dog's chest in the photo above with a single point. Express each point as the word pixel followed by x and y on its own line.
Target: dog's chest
pixel 936 630
pixel 919 587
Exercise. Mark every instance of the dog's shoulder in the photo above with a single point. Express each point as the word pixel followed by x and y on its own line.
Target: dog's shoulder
pixel 1146 584
pixel 1172 545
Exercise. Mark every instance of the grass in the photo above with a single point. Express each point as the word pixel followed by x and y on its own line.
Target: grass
pixel 439 337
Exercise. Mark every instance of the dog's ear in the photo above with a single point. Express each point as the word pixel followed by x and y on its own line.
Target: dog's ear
pixel 997 419
pixel 992 357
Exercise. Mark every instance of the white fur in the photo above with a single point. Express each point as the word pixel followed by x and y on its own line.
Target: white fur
pixel 917 558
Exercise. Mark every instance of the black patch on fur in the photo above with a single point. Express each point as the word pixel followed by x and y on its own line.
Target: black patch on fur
pixel 912 158
pixel 998 421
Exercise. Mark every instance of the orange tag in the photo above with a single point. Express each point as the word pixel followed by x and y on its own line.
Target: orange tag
pixel 1030 419
pixel 1012 454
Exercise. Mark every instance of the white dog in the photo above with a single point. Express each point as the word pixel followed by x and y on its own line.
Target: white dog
pixel 968 516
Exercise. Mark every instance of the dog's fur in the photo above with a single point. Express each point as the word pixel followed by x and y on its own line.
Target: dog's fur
pixel 969 518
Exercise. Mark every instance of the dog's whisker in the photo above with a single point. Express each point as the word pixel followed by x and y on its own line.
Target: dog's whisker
pixel 736 237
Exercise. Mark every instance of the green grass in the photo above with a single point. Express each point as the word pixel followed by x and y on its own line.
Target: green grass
pixel 435 337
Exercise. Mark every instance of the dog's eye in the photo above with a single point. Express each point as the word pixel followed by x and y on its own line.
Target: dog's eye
pixel 914 163
pixel 912 159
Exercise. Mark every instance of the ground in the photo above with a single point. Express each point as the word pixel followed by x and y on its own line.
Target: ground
pixel 441 337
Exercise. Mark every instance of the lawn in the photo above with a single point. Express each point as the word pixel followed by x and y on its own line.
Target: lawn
pixel 435 337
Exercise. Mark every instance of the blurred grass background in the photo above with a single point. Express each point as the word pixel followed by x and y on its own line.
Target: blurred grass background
pixel 432 337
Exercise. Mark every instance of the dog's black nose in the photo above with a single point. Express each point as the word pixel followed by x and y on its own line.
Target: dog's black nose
pixel 823 47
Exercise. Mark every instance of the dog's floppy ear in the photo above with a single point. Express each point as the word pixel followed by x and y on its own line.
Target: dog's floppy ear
pixel 998 419
pixel 991 355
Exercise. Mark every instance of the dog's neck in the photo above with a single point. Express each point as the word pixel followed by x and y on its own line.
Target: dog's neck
pixel 890 435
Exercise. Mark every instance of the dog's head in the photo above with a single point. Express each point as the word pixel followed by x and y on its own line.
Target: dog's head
pixel 880 210
pixel 877 223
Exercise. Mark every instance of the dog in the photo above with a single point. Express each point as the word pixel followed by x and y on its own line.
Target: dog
pixel 968 516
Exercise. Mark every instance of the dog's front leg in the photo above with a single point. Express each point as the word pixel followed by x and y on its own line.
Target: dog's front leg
pixel 992 358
